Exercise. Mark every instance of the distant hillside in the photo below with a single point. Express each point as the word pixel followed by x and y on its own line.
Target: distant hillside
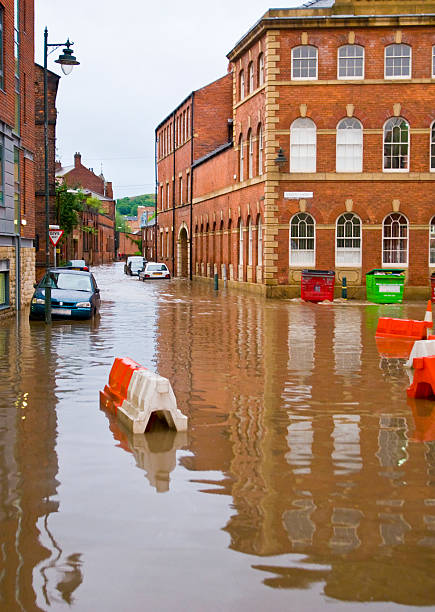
pixel 128 206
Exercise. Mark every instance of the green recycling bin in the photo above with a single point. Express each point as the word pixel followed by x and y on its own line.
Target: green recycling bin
pixel 385 286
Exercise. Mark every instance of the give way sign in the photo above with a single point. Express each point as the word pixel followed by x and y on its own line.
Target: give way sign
pixel 55 236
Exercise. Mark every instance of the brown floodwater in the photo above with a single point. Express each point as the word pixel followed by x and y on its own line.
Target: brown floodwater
pixel 306 479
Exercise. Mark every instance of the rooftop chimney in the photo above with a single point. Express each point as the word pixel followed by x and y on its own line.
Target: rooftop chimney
pixel 77 160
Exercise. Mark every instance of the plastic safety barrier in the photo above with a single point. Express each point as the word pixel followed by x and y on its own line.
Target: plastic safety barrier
pixel 119 379
pixel 423 385
pixel 149 396
pixel 402 328
pixel 421 348
pixel 394 348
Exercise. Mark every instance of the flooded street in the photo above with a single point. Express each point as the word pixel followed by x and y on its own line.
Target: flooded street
pixel 306 479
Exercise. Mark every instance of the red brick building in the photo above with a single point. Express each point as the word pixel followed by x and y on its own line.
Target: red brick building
pixel 17 145
pixel 94 239
pixel 331 158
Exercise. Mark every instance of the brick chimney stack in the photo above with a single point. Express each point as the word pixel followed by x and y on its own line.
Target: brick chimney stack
pixel 109 190
pixel 77 160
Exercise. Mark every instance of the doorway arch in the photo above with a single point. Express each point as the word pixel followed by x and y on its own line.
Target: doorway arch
pixel 183 252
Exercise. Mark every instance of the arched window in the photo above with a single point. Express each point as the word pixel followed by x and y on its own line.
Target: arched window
pixel 259 242
pixel 304 62
pixel 351 62
pixel 251 77
pixel 398 62
pixel 260 149
pixel 396 145
pixel 240 243
pixel 395 240
pixel 250 155
pixel 241 158
pixel 242 84
pixel 349 146
pixel 432 242
pixel 348 240
pixel 432 147
pixel 303 145
pixel 302 240
pixel 250 242
pixel 260 70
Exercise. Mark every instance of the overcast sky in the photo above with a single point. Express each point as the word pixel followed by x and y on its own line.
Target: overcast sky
pixel 138 60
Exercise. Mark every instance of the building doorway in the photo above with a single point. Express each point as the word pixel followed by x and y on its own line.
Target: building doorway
pixel 183 253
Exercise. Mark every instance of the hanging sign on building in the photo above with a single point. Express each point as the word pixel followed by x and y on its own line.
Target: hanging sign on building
pixel 55 235
pixel 297 195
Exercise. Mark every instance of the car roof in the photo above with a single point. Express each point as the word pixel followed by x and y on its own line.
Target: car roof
pixel 69 271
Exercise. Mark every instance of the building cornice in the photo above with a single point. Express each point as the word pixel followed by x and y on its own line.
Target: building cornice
pixel 298 22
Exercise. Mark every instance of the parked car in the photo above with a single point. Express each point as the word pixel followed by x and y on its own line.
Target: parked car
pixel 134 264
pixel 77 264
pixel 154 270
pixel 74 294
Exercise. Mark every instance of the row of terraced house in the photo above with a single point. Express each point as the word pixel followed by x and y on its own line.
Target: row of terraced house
pixel 23 220
pixel 315 150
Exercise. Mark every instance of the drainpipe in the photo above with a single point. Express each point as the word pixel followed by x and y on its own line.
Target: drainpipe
pixel 174 182
pixel 192 132
pixel 18 270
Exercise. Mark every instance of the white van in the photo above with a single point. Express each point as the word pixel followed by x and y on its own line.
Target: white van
pixel 134 264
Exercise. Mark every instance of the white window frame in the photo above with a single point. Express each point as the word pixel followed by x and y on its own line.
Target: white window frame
pixel 250 155
pixel 341 252
pixel 433 62
pixel 384 144
pixel 162 243
pixel 432 148
pixel 350 57
pixel 298 146
pixel 296 59
pixel 161 195
pixel 307 256
pixel 167 195
pixel 250 242
pixel 167 244
pixel 260 150
pixel 242 84
pixel 181 189
pixel 260 70
pixel 259 242
pixel 346 143
pixel 401 76
pixel 241 160
pixel 432 240
pixel 251 85
pixel 241 245
pixel 386 264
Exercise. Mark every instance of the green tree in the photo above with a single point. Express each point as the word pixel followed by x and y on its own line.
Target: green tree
pixel 69 204
pixel 128 205
pixel 121 223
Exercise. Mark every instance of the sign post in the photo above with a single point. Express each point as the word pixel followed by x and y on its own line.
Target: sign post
pixel 55 235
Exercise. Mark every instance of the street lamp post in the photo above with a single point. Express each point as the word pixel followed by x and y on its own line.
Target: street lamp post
pixel 67 62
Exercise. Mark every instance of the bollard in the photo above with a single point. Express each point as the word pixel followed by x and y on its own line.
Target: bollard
pixel 216 282
pixel 344 288
pixel 47 288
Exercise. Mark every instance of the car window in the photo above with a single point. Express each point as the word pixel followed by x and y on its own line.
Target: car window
pixel 156 267
pixel 74 282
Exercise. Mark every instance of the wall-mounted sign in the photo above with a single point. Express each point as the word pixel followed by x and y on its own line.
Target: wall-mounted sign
pixel 297 195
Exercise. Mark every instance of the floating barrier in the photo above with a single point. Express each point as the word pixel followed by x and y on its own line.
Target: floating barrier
pixel 119 379
pixel 150 395
pixel 402 328
pixel 421 348
pixel 423 385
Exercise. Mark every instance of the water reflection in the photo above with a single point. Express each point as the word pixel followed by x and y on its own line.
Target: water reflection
pixel 28 468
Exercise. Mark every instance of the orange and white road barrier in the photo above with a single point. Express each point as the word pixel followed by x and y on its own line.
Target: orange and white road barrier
pixel 423 384
pixel 402 328
pixel 136 395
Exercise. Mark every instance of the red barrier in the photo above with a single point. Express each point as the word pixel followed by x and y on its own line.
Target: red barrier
pixel 402 328
pixel 423 385
pixel 394 348
pixel 119 378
